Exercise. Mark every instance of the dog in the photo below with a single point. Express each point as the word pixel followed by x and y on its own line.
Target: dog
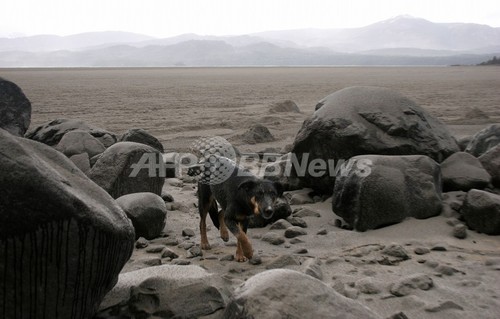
pixel 240 195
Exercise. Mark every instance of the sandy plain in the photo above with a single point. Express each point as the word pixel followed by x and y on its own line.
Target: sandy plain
pixel 179 105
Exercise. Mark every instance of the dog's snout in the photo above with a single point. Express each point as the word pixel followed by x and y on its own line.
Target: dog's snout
pixel 268 212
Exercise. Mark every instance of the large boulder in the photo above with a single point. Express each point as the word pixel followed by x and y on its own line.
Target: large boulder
pixel 283 293
pixel 280 171
pixel 481 211
pixel 367 120
pixel 64 240
pixel 372 191
pixel 128 167
pixel 15 108
pixel 147 211
pixel 484 140
pixel 52 132
pixel 491 162
pixel 462 172
pixel 167 291
pixel 78 142
pixel 139 135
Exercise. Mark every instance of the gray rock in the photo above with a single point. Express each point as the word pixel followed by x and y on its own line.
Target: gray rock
pixel 188 232
pixel 463 172
pixel 78 142
pixel 447 305
pixel 82 162
pixel 312 267
pixel 139 135
pixel 294 231
pixel 52 132
pixel 421 250
pixel 258 133
pixel 56 225
pixel 322 231
pixel 255 260
pixel 273 238
pixel 407 285
pixel 463 142
pixel 284 293
pixel 297 221
pixel 491 163
pixel 147 211
pixel 446 270
pixel 15 108
pixel 306 212
pixel 280 224
pixel 368 286
pixel 300 199
pixel 395 250
pixel 460 231
pixel 141 243
pixel 367 120
pixel 452 203
pixel 301 251
pixel 169 253
pixel 195 251
pixel 373 191
pixel 484 140
pixel 283 261
pixel 170 291
pixel 114 171
pixel 280 171
pixel 154 249
pixel 481 211
pixel 284 106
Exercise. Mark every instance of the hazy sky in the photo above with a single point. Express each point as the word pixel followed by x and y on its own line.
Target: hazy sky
pixel 164 18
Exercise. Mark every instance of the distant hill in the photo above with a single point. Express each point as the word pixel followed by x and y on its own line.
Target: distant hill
pixel 398 41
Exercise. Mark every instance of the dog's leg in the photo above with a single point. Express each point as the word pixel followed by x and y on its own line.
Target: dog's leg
pixel 205 200
pixel 224 233
pixel 244 250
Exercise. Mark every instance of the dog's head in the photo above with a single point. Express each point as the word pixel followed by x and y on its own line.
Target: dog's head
pixel 262 195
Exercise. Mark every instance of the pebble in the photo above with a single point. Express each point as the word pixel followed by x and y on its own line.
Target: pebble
pixel 444 306
pixel 322 231
pixel 439 247
pixel 227 258
pixel 188 232
pixel 368 286
pixel 399 315
pixel 154 249
pixel 297 221
pixel 395 250
pixel 281 224
pixel 431 263
pixel 407 284
pixel 255 260
pixel 312 267
pixel 460 231
pixel 195 252
pixel 305 212
pixel 167 197
pixel 181 262
pixel 296 241
pixel 175 182
pixel 152 261
pixel 169 253
pixel 283 261
pixel 294 231
pixel 301 251
pixel 421 250
pixel 446 270
pixel 171 242
pixel 186 245
pixel 273 238
pixel 141 243
pixel 453 221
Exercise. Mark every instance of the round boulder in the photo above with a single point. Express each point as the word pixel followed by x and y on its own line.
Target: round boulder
pixel 373 191
pixel 147 211
pixel 128 167
pixel 138 135
pixel 283 293
pixel 366 120
pixel 64 240
pixel 484 140
pixel 481 211
pixel 78 142
pixel 491 162
pixel 52 132
pixel 15 109
pixel 462 172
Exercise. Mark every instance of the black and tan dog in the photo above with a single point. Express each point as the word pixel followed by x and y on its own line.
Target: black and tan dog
pixel 240 195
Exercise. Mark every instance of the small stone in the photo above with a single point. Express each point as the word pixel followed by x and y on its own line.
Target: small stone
pixel 312 267
pixel 154 249
pixel 444 306
pixel 227 258
pixel 399 315
pixel 368 286
pixel 255 260
pixel 338 223
pixel 294 241
pixel 439 247
pixel 431 263
pixel 280 224
pixel 181 262
pixel 446 270
pixel 283 261
pixel 167 197
pixel 297 221
pixel 294 231
pixel 186 245
pixel 421 250
pixel 453 221
pixel 169 253
pixel 322 231
pixel 195 252
pixel 460 231
pixel 273 238
pixel 171 242
pixel 152 261
pixel 406 285
pixel 305 212
pixel 301 251
pixel 188 232
pixel 395 250
pixel 141 243
pixel 300 199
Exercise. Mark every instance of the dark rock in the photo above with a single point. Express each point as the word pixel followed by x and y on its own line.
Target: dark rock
pixel 229 257
pixel 367 120
pixel 439 247
pixel 452 203
pixel 141 243
pixel 297 221
pixel 181 262
pixel 255 260
pixel 167 197
pixel 296 240
pixel 169 253
pixel 273 238
pixel 195 251
pixel 463 142
pixel 484 140
pixel 491 163
pixel 116 170
pixel 282 293
pixel 446 270
pixel 147 211
pixel 460 231
pixel 399 315
pixel 301 251
pixel 406 285
pixel 78 142
pixel 463 172
pixel 155 249
pixel 283 261
pixel 258 134
pixel 15 109
pixel 166 291
pixel 280 171
pixel 481 211
pixel 281 211
pixel 284 106
pixel 52 132
pixel 395 250
pixel 301 199
pixel 421 250
pixel 188 232
pixel 322 231
pixel 294 231
pixel 139 135
pixel 57 226
pixel 375 190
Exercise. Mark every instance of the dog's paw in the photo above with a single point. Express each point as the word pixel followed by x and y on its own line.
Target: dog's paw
pixel 224 235
pixel 241 258
pixel 206 246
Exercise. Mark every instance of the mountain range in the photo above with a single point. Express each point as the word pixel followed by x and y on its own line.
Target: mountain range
pixel 402 40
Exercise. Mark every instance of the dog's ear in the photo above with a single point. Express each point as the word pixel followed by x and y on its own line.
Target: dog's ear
pixel 247 185
pixel 279 188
